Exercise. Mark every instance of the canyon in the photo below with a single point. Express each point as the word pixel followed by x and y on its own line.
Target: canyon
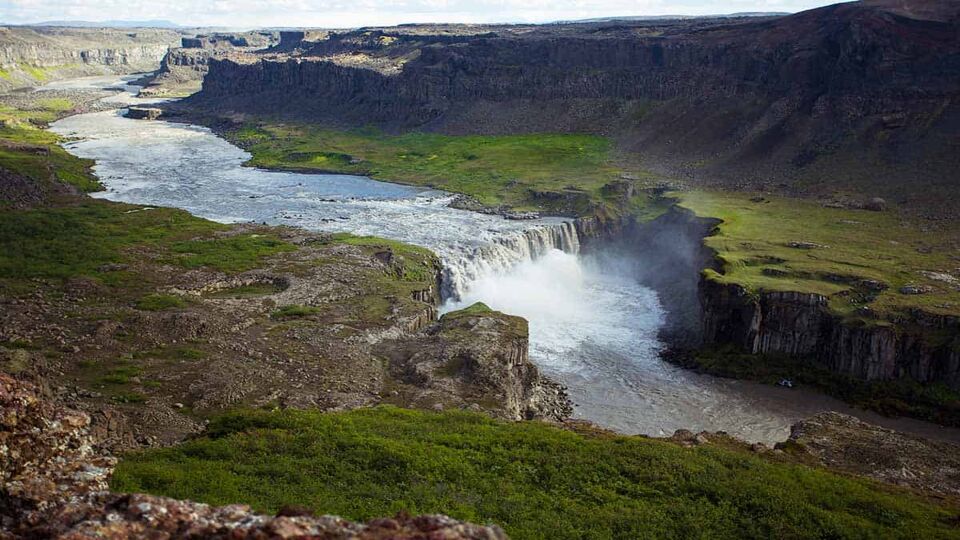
pixel 779 102
pixel 581 224
pixel 34 55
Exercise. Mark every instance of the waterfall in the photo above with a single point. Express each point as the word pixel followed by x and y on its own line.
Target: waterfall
pixel 504 252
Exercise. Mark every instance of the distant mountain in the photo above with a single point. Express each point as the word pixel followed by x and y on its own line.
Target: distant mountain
pixel 109 24
pixel 680 17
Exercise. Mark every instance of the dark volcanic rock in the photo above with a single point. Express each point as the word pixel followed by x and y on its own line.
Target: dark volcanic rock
pixel 801 96
pixel 478 359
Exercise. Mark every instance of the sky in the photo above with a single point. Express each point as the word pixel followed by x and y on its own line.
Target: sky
pixel 353 13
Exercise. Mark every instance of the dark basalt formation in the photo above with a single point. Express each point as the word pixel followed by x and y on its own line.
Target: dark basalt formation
pixel 477 358
pixel 182 69
pixel 792 99
pixel 704 312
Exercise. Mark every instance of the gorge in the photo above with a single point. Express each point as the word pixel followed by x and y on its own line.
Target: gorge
pixel 594 327
pixel 633 277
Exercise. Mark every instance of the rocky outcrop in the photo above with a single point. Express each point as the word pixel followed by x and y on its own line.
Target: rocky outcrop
pixel 845 443
pixel 31 55
pixel 704 310
pixel 801 325
pixel 143 113
pixel 53 484
pixel 182 69
pixel 478 358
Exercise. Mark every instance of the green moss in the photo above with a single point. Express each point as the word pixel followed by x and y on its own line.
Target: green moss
pixel 231 254
pixel 35 153
pixel 246 291
pixel 478 308
pixel 295 311
pixel 413 262
pixel 753 244
pixel 76 240
pixel 160 302
pixel 121 375
pixel 59 105
pixel 38 73
pixel 551 172
pixel 535 480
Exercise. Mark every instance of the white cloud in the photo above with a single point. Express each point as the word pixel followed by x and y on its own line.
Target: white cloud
pixel 351 13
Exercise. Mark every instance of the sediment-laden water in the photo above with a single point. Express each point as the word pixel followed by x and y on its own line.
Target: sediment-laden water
pixel 592 327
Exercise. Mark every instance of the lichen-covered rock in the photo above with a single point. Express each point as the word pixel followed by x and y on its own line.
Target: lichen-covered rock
pixel 843 442
pixel 53 484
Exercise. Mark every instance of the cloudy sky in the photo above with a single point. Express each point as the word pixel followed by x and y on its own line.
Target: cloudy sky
pixel 352 13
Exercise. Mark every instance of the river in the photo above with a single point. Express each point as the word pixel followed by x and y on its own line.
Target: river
pixel 592 327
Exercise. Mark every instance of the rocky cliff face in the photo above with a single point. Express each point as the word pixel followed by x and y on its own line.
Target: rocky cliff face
pixel 182 69
pixel 34 55
pixel 477 359
pixel 702 311
pixel 802 326
pixel 53 484
pixel 744 101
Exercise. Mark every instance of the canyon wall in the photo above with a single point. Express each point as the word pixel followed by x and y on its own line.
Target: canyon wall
pixel 919 346
pixel 34 55
pixel 702 311
pixel 183 68
pixel 863 94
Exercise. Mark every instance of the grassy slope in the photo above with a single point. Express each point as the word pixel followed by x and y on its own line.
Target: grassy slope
pixel 496 170
pixel 27 149
pixel 75 240
pixel 534 480
pixel 857 245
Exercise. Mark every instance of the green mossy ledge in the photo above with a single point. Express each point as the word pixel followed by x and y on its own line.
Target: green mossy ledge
pixel 534 480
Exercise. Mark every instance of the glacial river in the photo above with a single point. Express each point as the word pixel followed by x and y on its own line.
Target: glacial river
pixel 592 327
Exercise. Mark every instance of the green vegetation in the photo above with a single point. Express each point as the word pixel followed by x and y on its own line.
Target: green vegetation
pixel 60 105
pixel 295 311
pixel 535 480
pixel 411 263
pixel 857 258
pixel 35 153
pixel 76 240
pixel 547 171
pixel 160 302
pixel 230 254
pixel 41 74
pixel 478 308
pixel 518 325
pixel 246 291
pixel 122 374
pixel 902 397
